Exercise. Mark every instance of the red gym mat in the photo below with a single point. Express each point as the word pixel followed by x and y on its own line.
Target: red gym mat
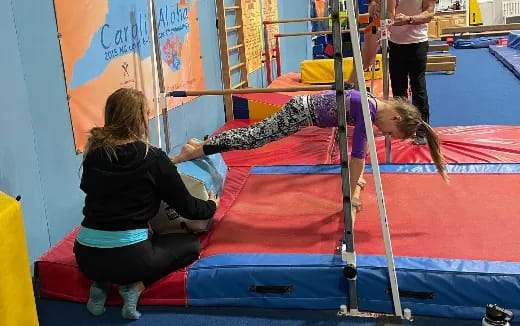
pixel 472 218
pixel 312 145
pixel 60 278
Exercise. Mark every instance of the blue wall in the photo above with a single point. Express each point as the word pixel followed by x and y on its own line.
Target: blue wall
pixel 19 162
pixel 38 159
pixel 37 154
pixel 294 49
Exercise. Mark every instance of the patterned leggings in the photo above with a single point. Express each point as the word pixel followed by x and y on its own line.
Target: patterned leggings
pixel 294 116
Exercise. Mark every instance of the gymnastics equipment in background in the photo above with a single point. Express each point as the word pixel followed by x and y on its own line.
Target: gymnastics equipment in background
pixel 477 31
pixel 201 176
pixel 509 55
pixel 439 59
pixel 227 49
pixel 475 16
pixel 322 71
pixel 362 19
pixel 17 305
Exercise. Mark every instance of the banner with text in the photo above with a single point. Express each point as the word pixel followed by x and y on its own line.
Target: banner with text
pixel 270 12
pixel 106 45
pixel 252 24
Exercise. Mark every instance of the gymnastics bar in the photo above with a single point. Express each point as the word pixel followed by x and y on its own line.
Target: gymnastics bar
pixel 310 33
pixel 363 18
pixel 373 154
pixel 254 90
pixel 483 28
pixel 160 76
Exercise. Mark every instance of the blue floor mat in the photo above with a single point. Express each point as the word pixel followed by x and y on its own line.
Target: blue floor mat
pixel 480 92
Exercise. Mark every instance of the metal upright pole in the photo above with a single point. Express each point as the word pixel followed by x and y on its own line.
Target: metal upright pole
pixel 156 98
pixel 375 166
pixel 160 75
pixel 348 237
pixel 386 74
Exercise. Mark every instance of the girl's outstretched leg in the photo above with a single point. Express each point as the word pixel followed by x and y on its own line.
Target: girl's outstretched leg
pixel 294 116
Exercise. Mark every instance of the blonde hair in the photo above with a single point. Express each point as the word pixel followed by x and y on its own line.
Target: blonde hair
pixel 126 118
pixel 410 121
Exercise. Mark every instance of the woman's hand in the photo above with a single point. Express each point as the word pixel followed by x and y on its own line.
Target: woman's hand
pixel 401 19
pixel 214 198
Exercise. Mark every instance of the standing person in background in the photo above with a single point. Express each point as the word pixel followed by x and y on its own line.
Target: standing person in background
pixel 408 49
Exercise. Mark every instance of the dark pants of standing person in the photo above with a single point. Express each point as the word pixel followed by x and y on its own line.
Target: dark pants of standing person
pixel 408 61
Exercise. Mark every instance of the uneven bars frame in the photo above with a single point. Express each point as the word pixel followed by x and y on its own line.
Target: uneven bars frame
pixel 154 73
pixel 160 76
pixel 347 243
pixel 358 68
pixel 386 72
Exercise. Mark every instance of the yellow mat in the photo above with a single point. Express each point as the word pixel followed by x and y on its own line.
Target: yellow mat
pixel 17 306
pixel 321 71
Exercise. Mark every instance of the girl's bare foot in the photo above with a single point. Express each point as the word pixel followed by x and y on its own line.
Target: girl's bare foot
pixel 189 151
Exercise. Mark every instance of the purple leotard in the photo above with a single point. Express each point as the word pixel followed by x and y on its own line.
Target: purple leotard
pixel 324 107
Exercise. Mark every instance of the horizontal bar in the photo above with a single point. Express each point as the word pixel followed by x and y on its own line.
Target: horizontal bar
pixel 363 18
pixel 233 28
pixel 238 46
pixel 242 83
pixel 484 28
pixel 254 90
pixel 237 66
pixel 311 33
pixel 231 7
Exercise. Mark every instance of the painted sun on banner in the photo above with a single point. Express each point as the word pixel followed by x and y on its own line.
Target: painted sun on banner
pixel 105 45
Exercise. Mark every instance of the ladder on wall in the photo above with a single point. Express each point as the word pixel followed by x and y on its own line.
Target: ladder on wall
pixel 226 50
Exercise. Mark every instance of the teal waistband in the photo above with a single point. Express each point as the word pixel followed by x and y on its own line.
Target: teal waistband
pixel 110 239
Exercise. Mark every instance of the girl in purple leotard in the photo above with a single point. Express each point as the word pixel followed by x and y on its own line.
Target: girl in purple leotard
pixel 395 117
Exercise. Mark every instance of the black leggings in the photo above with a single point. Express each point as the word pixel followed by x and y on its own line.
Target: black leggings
pixel 146 261
pixel 294 116
pixel 408 61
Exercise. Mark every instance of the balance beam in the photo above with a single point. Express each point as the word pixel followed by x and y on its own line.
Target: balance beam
pixel 440 58
pixel 447 67
pixel 478 29
pixel 438 48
